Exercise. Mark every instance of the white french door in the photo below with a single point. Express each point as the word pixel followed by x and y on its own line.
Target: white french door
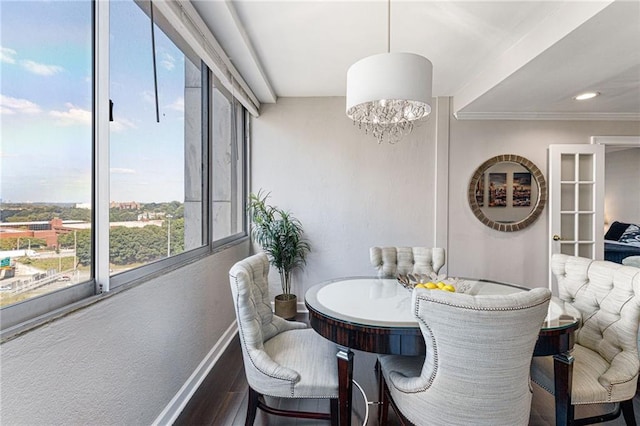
pixel 576 201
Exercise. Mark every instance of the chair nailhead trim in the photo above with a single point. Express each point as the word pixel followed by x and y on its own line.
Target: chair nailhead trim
pixel 477 308
pixel 291 384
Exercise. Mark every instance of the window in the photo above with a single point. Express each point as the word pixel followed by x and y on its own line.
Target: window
pixel 228 209
pixel 46 107
pixel 156 161
pixel 53 162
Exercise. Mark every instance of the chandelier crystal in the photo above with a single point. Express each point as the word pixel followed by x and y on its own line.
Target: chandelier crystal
pixel 388 120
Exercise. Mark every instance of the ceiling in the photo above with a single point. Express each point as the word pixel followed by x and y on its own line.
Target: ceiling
pixel 499 59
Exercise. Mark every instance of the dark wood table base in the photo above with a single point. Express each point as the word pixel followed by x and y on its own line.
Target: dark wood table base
pixel 345 385
pixel 409 341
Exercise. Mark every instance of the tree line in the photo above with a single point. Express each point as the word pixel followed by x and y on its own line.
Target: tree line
pixel 25 212
pixel 129 245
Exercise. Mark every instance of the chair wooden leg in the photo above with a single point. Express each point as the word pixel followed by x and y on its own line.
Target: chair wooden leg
pixel 256 401
pixel 627 412
pixel 334 412
pixel 383 413
pixel 380 391
pixel 252 407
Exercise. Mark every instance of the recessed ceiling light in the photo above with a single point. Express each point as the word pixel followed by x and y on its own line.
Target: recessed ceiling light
pixel 586 95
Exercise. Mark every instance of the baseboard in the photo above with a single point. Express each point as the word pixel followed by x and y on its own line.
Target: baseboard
pixel 171 412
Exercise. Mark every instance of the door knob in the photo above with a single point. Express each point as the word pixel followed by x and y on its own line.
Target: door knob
pixel 556 237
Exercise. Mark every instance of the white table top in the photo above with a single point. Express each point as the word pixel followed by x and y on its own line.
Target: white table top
pixel 383 302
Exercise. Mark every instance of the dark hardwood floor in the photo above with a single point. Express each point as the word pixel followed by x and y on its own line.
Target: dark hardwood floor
pixel 222 398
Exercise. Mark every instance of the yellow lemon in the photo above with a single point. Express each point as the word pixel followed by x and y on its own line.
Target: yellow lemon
pixel 440 285
pixel 430 285
pixel 450 288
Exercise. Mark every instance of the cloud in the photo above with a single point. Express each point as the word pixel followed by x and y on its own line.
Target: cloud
pixel 149 97
pixel 167 61
pixel 177 105
pixel 121 124
pixel 7 55
pixel 9 105
pixel 122 171
pixel 73 115
pixel 40 69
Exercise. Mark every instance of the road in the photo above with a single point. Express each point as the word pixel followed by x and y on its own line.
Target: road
pixel 24 283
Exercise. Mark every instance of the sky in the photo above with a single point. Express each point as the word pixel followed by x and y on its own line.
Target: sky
pixel 46 101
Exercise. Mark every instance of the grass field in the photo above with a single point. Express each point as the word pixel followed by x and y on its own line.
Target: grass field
pixel 48 263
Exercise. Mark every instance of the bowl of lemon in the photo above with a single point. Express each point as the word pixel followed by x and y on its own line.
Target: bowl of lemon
pixel 430 285
pixel 432 282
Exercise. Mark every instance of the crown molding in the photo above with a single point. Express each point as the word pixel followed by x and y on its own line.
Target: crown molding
pixel 616 140
pixel 560 116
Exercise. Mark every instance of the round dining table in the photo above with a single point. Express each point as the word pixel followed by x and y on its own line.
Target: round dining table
pixel 374 314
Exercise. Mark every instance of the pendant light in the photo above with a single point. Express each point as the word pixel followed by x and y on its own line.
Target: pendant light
pixel 388 92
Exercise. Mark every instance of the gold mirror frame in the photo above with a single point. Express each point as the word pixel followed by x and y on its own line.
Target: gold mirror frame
pixel 535 212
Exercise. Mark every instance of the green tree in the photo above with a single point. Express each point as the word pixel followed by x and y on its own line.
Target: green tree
pixel 137 245
pixel 177 235
pixel 30 213
pixel 25 242
pixel 8 244
pixel 83 247
pixel 118 215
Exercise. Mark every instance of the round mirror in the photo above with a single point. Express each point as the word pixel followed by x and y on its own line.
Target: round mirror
pixel 507 193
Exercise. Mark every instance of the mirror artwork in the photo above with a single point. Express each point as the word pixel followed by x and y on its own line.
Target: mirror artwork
pixel 507 193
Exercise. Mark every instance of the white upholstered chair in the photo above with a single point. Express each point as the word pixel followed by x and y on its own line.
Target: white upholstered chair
pixel 282 359
pixel 391 261
pixel 606 365
pixel 478 355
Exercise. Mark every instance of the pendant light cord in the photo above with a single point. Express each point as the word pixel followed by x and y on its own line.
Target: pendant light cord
pixel 388 26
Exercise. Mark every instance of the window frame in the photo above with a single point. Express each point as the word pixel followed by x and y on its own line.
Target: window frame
pixel 240 140
pixel 20 317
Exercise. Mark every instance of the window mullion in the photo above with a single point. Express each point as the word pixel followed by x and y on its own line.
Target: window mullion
pixel 101 154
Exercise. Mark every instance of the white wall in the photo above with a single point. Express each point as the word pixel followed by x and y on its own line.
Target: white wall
pixel 622 186
pixel 121 360
pixel 351 193
pixel 518 257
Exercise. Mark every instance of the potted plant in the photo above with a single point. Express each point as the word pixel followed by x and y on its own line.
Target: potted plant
pixel 281 237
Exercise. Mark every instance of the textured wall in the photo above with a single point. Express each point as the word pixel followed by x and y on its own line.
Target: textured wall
pixel 119 361
pixel 349 192
pixel 519 257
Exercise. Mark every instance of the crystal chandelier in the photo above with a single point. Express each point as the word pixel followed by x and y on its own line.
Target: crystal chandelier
pixel 388 92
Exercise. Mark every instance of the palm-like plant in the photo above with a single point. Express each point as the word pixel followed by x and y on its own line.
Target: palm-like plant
pixel 280 235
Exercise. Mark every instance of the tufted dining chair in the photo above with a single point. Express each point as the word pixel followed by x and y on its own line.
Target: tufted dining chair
pixel 476 368
pixel 282 359
pixel 606 365
pixel 391 261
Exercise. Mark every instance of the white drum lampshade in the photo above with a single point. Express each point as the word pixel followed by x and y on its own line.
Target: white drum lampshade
pixel 386 93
